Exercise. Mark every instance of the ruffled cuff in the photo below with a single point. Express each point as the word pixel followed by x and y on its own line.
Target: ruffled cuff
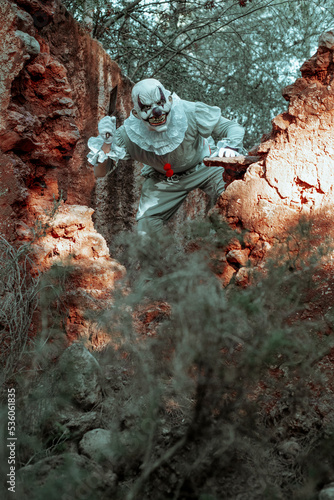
pixel 227 142
pixel 96 155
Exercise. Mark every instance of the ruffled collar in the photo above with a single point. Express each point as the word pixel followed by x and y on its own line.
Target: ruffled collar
pixel 159 143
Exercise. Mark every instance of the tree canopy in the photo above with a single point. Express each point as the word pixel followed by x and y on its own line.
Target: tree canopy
pixel 236 54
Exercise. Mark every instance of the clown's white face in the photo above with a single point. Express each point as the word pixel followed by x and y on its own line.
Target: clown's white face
pixel 152 103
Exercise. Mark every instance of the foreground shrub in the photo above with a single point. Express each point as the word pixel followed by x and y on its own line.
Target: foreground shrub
pixel 225 398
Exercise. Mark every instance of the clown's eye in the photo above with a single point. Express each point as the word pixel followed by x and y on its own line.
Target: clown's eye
pixel 145 108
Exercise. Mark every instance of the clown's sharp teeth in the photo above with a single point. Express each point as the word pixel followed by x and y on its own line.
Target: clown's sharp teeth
pixel 157 121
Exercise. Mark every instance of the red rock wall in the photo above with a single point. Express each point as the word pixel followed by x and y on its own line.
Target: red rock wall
pixel 55 83
pixel 295 176
pixel 54 87
pixel 85 276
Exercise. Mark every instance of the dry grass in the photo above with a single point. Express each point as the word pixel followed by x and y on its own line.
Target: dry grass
pixel 18 301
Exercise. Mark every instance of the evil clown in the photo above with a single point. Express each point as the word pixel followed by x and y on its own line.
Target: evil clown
pixel 171 137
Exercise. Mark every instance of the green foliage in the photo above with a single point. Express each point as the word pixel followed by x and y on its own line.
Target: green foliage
pixel 220 400
pixel 227 378
pixel 21 287
pixel 219 52
pixel 19 298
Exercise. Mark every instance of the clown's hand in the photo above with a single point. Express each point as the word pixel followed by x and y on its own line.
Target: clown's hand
pixel 227 153
pixel 107 129
pixel 103 146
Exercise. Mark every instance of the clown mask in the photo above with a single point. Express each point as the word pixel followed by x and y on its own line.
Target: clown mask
pixel 152 104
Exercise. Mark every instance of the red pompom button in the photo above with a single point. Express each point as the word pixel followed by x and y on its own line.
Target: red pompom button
pixel 168 170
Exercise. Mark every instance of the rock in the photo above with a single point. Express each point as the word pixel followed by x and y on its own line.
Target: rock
pixel 242 277
pixel 258 252
pixel 71 243
pixel 327 40
pixel 233 244
pixel 76 422
pixel 78 376
pixel 295 176
pixel 281 122
pixel 234 168
pixel 24 21
pixel 239 257
pixel 292 90
pixel 327 493
pixel 251 239
pixel 96 445
pixel 30 43
pixel 74 476
pixel 227 274
pixel 50 68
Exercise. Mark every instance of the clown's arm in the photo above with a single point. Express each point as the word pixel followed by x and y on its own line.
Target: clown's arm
pixel 228 133
pixel 104 148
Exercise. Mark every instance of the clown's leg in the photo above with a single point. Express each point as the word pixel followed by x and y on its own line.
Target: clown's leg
pixel 149 225
pixel 149 246
pixel 159 201
pixel 214 185
pixel 209 179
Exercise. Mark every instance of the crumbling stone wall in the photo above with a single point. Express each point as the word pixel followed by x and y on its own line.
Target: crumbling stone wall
pixel 54 87
pixel 294 176
pixel 55 83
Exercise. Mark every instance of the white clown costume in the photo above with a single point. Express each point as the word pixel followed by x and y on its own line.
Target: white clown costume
pixel 171 137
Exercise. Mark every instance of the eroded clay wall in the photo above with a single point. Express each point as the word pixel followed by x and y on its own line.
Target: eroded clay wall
pixel 294 177
pixel 54 87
